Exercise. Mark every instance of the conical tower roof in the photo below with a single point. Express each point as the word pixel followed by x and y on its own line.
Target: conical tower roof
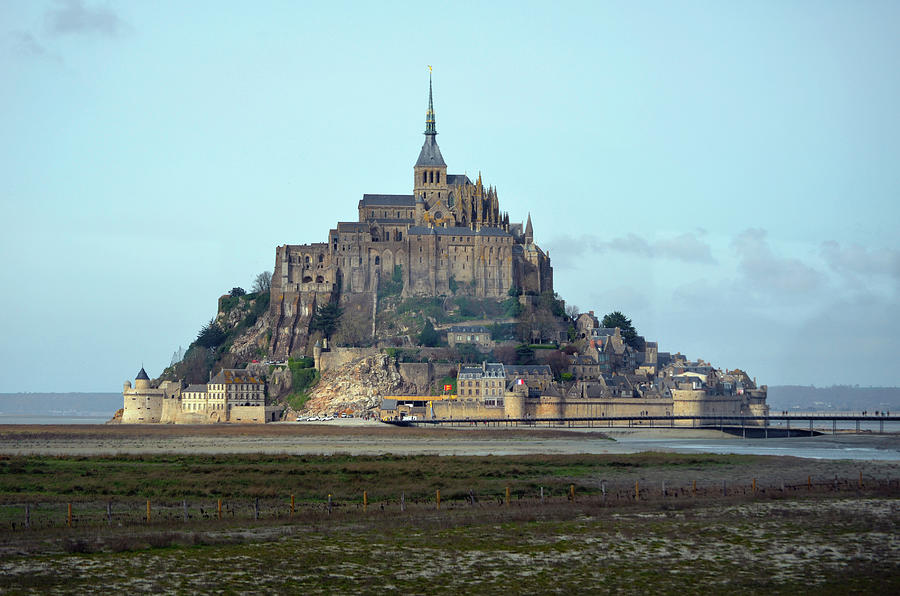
pixel 142 376
pixel 430 155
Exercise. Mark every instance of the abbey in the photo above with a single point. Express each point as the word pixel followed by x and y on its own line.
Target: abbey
pixel 449 235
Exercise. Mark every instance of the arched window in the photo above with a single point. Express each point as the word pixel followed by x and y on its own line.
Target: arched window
pixel 321 258
pixel 378 260
pixel 439 177
pixel 424 177
pixel 307 260
pixel 431 176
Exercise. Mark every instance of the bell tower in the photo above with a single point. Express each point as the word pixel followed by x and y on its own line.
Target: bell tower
pixel 430 171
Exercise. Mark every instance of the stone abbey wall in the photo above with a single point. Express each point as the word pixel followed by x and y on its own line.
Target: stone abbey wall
pixel 685 403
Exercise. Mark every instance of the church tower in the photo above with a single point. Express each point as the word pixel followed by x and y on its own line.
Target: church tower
pixel 430 171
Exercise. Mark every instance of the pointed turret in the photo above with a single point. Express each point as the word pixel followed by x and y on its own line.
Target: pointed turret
pixel 529 232
pixel 430 171
pixel 431 153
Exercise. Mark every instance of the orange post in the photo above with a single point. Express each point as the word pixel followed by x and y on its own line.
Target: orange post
pixel 365 501
pixel 148 511
pixel 754 486
pixel 439 499
pixel 507 495
pixel 809 483
pixel 571 492
pixel 637 491
pixel 219 508
pixel 694 489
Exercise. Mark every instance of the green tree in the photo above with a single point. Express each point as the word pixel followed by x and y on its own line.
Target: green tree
pixel 237 291
pixel 211 335
pixel 629 334
pixel 524 354
pixel 326 319
pixel 429 337
pixel 263 282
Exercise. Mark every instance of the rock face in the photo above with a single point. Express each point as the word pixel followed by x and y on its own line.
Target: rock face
pixel 359 386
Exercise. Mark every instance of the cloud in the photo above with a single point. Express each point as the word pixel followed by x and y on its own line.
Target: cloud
pixel 687 247
pixel 762 269
pixel 857 261
pixel 73 17
pixel 25 44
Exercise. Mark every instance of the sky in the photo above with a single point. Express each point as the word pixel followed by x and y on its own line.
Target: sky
pixel 727 174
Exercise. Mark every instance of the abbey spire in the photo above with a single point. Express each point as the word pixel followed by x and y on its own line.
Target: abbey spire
pixel 430 171
pixel 429 115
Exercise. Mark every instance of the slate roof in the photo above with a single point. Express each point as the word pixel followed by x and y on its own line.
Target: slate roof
pixel 352 226
pixel 398 222
pixel 603 331
pixel 528 369
pixel 455 231
pixel 196 388
pixel 388 200
pixel 142 376
pixel 488 369
pixel 228 376
pixel 430 155
pixel 469 329
pixel 458 179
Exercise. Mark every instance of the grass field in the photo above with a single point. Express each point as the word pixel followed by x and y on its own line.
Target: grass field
pixel 651 522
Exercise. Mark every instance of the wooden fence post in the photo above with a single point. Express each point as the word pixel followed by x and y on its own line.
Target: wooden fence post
pixel 637 491
pixel 148 511
pixel 219 508
pixel 365 501
pixel 507 495
pixel 694 489
pixel 809 483
pixel 754 486
pixel 69 516
pixel 438 499
pixel 571 492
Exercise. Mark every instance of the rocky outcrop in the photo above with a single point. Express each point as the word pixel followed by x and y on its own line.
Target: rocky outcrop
pixel 359 386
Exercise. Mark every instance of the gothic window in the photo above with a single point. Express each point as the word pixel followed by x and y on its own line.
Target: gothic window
pixel 321 258
pixel 439 177
pixel 431 176
pixel 307 259
pixel 377 260
pixel 424 177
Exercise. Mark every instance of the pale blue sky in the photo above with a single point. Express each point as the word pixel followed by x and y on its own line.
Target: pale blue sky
pixel 726 173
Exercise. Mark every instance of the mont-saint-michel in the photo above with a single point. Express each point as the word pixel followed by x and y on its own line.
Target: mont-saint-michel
pixel 597 330
pixel 434 305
